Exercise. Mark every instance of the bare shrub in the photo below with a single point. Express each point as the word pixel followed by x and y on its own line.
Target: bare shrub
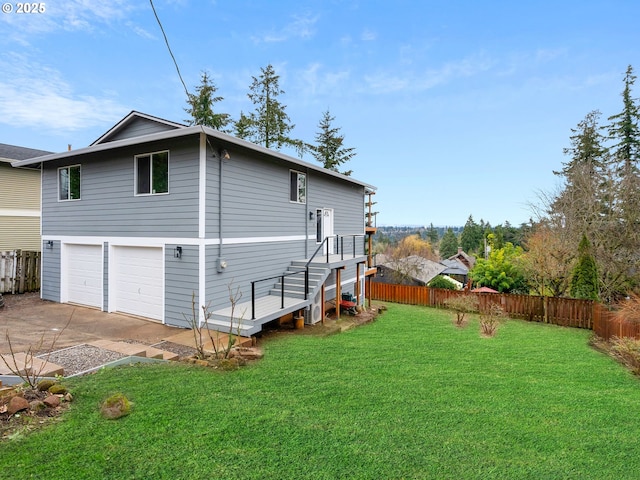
pixel 201 330
pixel 629 309
pixel 462 305
pixel 27 370
pixel 627 351
pixel 490 319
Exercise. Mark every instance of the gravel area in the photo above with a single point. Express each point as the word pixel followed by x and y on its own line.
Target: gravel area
pixel 182 350
pixel 81 358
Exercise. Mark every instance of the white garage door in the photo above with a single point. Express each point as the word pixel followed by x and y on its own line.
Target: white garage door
pixel 83 275
pixel 139 281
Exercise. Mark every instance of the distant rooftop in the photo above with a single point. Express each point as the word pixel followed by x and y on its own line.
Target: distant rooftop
pixel 9 153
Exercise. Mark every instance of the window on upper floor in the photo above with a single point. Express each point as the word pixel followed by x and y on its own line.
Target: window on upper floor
pixel 69 183
pixel 152 173
pixel 298 187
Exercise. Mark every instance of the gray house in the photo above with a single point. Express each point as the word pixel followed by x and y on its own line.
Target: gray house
pixel 154 212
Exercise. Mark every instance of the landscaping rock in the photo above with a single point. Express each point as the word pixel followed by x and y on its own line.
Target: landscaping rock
pixel 17 404
pixel 58 389
pixel 37 406
pixel 67 397
pixel 52 401
pixel 46 384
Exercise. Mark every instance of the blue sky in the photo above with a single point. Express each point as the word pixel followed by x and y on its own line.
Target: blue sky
pixel 454 107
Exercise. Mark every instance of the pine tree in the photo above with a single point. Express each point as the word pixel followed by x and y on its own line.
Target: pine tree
pixel 584 281
pixel 471 237
pixel 448 244
pixel 201 105
pixel 269 125
pixel 329 149
pixel 432 235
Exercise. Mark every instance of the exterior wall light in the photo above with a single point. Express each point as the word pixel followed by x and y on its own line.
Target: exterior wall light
pixel 177 252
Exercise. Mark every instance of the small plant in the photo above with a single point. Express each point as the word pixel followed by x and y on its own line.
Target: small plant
pixel 462 305
pixel 629 309
pixel 442 282
pixel 116 406
pixel 490 319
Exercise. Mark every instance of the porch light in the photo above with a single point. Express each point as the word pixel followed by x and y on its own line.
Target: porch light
pixel 177 252
pixel 49 243
pixel 310 215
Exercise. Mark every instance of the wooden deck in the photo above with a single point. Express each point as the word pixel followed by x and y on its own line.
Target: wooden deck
pixel 269 307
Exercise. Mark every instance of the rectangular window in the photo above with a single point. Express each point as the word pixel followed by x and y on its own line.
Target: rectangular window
pixel 152 173
pixel 69 183
pixel 298 187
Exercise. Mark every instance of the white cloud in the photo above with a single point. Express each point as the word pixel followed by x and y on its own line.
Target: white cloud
pixel 35 95
pixel 70 15
pixel 395 81
pixel 301 26
pixel 315 80
pixel 368 36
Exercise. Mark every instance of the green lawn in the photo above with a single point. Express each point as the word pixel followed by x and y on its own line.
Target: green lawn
pixel 408 396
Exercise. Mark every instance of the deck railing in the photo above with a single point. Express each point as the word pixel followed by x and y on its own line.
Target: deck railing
pixel 339 248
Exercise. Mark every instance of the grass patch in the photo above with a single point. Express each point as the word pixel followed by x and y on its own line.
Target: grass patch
pixel 409 396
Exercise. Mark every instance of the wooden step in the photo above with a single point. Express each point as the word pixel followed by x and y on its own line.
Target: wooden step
pixel 128 349
pixel 21 362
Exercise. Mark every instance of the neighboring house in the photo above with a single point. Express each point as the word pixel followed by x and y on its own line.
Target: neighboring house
pixel 155 212
pixel 457 270
pixel 412 270
pixel 19 200
pixel 467 260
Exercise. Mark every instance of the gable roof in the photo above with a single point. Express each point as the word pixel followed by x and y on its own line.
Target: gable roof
pixel 454 267
pixel 463 257
pixel 226 141
pixel 417 267
pixel 152 123
pixel 12 153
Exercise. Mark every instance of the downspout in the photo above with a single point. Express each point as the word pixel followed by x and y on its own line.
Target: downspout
pixel 220 204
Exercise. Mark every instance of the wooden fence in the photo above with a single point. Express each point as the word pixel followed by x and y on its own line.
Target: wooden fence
pixel 567 312
pixel 19 271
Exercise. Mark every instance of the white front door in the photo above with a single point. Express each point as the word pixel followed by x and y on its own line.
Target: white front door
pixel 325 228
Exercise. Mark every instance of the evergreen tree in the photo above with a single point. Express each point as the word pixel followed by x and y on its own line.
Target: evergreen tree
pixel 329 149
pixel 201 105
pixel 625 131
pixel 448 244
pixel 584 280
pixel 269 125
pixel 432 235
pixel 471 238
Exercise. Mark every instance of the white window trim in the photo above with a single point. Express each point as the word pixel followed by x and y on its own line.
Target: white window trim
pixel 66 167
pixel 135 173
pixel 305 187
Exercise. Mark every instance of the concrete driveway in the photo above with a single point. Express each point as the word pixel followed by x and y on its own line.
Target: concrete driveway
pixel 33 322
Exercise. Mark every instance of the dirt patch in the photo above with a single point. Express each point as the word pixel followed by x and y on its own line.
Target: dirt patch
pixel 16 302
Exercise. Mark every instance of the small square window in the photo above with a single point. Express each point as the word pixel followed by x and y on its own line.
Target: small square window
pixel 152 173
pixel 69 183
pixel 298 187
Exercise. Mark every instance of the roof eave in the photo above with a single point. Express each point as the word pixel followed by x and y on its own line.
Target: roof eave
pixel 183 132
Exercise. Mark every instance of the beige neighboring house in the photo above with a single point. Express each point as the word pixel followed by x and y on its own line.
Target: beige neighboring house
pixel 19 200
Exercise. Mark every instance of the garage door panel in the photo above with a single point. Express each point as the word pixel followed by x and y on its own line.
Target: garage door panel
pixel 139 283
pixel 83 275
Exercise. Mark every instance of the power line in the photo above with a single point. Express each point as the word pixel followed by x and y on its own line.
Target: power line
pixel 166 40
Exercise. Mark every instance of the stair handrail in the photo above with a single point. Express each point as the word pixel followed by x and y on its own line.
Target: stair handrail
pixel 325 241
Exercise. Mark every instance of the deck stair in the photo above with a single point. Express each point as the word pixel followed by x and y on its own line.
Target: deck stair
pixel 268 306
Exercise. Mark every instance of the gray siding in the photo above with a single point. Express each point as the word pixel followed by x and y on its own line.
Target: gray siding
pixel 138 127
pixel 181 282
pixel 255 200
pixel 247 263
pixel 108 205
pixel 50 283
